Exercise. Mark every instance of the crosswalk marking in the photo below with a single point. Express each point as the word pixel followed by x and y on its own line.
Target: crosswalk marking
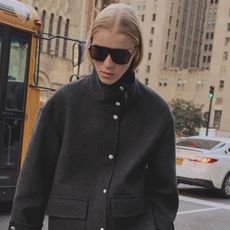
pixel 197 210
pixel 211 205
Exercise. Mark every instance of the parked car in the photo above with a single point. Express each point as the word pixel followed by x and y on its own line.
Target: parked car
pixel 204 161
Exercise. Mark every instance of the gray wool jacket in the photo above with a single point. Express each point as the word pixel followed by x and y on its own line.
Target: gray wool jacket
pixel 100 158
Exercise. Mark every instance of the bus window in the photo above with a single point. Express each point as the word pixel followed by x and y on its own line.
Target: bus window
pixel 11 142
pixel 19 101
pixel 17 74
pixel 0 47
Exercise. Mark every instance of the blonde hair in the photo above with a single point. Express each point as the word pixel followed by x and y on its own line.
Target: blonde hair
pixel 124 17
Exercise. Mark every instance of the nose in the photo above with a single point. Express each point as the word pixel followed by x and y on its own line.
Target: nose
pixel 108 62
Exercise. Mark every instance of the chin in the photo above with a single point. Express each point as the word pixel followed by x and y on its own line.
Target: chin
pixel 107 82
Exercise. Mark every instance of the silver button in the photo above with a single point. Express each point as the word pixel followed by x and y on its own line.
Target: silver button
pixel 115 117
pixel 102 229
pixel 121 88
pixel 12 228
pixel 111 156
pixel 104 191
pixel 118 103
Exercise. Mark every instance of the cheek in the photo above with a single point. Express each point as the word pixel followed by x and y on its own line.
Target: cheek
pixel 97 64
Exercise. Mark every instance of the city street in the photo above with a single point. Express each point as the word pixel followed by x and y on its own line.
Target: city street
pixel 199 209
pixel 202 209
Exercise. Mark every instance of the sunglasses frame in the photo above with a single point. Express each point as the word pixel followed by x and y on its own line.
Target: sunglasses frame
pixel 112 52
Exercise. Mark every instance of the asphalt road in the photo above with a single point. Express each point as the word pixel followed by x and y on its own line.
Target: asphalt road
pixel 202 209
pixel 199 209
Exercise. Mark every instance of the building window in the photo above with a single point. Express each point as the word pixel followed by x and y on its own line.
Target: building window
pixel 209 59
pixel 210 12
pixel 170 19
pixel 211 35
pixel 169 32
pixel 200 83
pixel 146 81
pixel 50 32
pixel 225 56
pixel 222 70
pixel 228 26
pixel 210 47
pixel 204 59
pixel 43 20
pixel 216 1
pixel 147 69
pixel 207 35
pixel 58 33
pixel 154 17
pixel 43 25
pixel 174 48
pixel 166 57
pixel 206 47
pixel 167 45
pixel 64 53
pixel 150 43
pixel 149 56
pixel 221 85
pixel 163 82
pixel 227 40
pixel 178 11
pixel 177 23
pixel 181 82
pixel 212 1
pixel 217 119
pixel 152 30
pixel 175 35
pixel 142 17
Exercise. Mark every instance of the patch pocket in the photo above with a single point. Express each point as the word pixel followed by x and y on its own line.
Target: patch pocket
pixel 67 213
pixel 128 206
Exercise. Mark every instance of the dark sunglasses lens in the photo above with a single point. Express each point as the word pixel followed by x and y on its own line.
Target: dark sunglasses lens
pixel 120 56
pixel 98 53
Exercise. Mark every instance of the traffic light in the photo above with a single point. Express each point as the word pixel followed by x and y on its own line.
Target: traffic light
pixel 211 92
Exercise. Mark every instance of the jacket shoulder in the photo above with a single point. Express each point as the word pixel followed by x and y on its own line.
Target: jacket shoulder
pixel 152 96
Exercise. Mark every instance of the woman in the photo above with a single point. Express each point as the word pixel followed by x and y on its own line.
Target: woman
pixel 102 154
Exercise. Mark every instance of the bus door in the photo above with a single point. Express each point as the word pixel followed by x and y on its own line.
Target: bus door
pixel 14 60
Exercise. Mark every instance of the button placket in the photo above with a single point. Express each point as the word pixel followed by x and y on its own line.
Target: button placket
pixel 115 117
pixel 122 88
pixel 111 156
pixel 117 103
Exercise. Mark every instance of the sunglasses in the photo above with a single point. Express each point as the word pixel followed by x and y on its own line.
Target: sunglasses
pixel 119 56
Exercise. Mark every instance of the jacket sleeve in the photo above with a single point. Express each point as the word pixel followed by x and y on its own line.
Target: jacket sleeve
pixel 161 180
pixel 36 176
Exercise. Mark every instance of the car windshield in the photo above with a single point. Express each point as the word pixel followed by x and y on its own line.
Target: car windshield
pixel 198 143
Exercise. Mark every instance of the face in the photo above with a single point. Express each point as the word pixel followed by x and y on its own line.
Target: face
pixel 108 71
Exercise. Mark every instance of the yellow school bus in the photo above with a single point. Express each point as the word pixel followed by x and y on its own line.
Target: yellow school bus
pixel 19 99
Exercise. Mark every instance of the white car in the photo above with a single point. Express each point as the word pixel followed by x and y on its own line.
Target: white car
pixel 204 161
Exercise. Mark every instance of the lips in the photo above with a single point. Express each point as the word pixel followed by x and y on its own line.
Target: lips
pixel 106 74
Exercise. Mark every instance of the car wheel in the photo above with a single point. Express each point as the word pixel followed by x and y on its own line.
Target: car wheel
pixel 225 190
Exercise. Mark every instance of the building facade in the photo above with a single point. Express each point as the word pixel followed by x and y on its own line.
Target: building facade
pixel 68 19
pixel 186 43
pixel 186 51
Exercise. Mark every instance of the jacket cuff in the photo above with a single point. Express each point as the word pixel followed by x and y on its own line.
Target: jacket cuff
pixel 19 226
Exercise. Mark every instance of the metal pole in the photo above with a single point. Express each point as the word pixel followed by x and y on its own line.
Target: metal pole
pixel 209 115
